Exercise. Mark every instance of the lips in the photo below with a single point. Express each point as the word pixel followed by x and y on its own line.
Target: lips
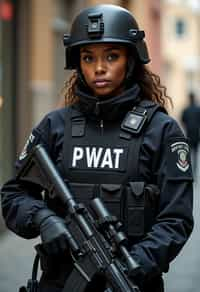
pixel 101 83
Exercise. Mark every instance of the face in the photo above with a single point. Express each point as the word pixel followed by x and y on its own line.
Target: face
pixel 104 68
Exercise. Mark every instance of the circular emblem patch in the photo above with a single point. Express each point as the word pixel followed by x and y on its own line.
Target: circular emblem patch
pixel 181 149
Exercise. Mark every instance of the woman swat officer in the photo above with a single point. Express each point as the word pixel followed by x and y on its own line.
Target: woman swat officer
pixel 114 140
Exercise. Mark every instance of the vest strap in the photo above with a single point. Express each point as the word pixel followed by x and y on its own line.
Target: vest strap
pixel 143 114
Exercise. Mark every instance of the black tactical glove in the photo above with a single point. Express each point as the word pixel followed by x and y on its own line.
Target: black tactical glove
pixel 52 231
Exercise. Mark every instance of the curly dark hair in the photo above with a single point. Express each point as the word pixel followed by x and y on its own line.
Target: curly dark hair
pixel 151 87
pixel 149 82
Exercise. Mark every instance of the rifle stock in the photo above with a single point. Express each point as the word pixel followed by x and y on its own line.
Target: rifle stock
pixel 92 251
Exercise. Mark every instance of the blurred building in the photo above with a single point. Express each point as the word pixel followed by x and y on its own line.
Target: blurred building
pixel 181 50
pixel 7 87
pixel 32 58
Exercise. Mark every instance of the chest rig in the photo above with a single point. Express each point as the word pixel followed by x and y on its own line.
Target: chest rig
pixel 101 159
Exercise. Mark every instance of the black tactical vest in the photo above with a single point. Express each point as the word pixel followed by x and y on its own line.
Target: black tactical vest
pixel 100 158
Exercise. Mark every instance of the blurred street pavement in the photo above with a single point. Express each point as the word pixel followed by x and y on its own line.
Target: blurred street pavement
pixel 16 257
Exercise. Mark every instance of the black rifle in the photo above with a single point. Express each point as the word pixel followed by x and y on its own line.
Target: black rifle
pixel 95 238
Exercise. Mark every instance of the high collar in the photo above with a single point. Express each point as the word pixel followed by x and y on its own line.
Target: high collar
pixel 108 109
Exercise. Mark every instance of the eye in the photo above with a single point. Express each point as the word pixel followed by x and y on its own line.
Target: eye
pixel 112 57
pixel 87 58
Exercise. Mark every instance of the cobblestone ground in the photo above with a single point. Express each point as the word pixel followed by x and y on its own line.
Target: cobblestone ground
pixel 16 256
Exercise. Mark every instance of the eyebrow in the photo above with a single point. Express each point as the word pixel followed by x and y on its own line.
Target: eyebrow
pixel 84 50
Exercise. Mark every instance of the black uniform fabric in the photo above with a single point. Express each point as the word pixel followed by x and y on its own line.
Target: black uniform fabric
pixel 163 160
pixel 191 120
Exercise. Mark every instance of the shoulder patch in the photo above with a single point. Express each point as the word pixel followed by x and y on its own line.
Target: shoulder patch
pixel 31 141
pixel 178 158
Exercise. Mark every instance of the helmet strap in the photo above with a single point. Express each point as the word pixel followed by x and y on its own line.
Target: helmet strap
pixel 130 70
pixel 80 79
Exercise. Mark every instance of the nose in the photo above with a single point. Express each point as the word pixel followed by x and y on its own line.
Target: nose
pixel 100 66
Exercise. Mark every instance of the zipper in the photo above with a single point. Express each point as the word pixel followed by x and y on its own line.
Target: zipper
pixel 101 127
pixel 97 110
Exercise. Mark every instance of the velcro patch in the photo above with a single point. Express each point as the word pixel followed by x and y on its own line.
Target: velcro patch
pixel 99 158
pixel 178 159
pixel 31 141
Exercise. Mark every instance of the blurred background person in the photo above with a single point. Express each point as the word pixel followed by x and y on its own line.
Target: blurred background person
pixel 191 122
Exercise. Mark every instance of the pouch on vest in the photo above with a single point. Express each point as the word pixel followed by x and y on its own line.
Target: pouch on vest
pixel 134 204
pixel 134 209
pixel 111 194
pixel 127 204
pixel 140 208
pixel 82 193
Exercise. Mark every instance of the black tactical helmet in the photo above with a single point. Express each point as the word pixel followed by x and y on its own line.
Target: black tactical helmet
pixel 101 24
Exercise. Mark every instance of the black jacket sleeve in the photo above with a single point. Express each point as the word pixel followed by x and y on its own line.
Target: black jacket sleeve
pixel 173 174
pixel 22 199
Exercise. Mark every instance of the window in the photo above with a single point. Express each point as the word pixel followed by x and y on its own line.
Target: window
pixel 180 27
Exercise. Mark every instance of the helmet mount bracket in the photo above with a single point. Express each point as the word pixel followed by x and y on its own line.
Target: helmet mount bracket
pixel 136 34
pixel 95 27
